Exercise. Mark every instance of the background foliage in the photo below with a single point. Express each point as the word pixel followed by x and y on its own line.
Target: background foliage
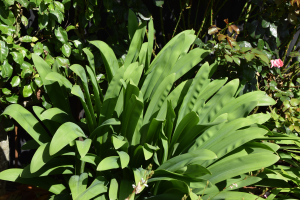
pixel 254 33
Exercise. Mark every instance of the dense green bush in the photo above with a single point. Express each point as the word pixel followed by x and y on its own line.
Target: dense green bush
pixel 170 142
pixel 256 32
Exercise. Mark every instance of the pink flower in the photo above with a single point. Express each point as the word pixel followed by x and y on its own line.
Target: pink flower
pixel 276 63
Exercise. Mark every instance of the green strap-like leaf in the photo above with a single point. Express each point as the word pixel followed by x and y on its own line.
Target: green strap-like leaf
pixel 83 146
pixel 232 195
pixel 78 184
pixel 170 43
pixel 109 59
pixel 52 126
pixel 90 58
pixel 97 132
pixel 57 115
pixel 113 189
pixel 47 183
pixel 199 82
pixel 188 122
pixel 97 187
pixel 79 70
pixel 240 165
pixel 135 45
pixel 112 162
pixel 54 76
pixel 132 23
pixel 150 43
pixel 163 68
pixel 131 116
pixel 183 160
pixel 59 165
pixel 188 61
pixel 225 145
pixel 43 152
pixel 97 93
pixel 76 90
pixel 65 134
pixel 124 158
pixel 58 96
pixel 143 54
pixel 30 124
pixel 158 98
pixel 218 101
pixel 111 96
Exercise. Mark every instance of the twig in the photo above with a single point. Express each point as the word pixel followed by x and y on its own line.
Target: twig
pixel 220 7
pixel 203 22
pixel 183 15
pixel 177 23
pixel 211 13
pixel 197 13
pixel 288 45
pixel 247 16
pixel 162 26
pixel 189 18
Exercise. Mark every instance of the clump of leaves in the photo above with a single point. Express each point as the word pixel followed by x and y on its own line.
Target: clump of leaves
pixel 145 138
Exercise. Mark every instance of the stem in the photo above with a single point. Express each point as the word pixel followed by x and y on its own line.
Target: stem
pixel 79 165
pixel 177 24
pixel 155 42
pixel 197 13
pixel 246 4
pixel 285 70
pixel 162 26
pixel 247 16
pixel 211 12
pixel 287 47
pixel 16 145
pixel 220 7
pixel 189 18
pixel 295 73
pixel 203 22
pixel 182 15
pixel 172 14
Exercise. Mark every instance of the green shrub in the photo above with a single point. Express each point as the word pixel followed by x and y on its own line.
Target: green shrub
pixel 170 141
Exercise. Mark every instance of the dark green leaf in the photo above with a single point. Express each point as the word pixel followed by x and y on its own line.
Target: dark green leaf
pixel 265 24
pixel 65 134
pixel 12 98
pixel 61 35
pixel 59 6
pixel 132 23
pixel 236 60
pixel 228 58
pixel 27 91
pixel 71 27
pixel 18 57
pixel 264 58
pixel 249 56
pixel 159 3
pixel 66 49
pixel 260 44
pixel 108 163
pixel 28 122
pixel 43 21
pixel 6 15
pixel 7 70
pixel 15 81
pixel 57 15
pixel 38 81
pixel 3 50
pixel 38 48
pixel 6 91
pixel 273 30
